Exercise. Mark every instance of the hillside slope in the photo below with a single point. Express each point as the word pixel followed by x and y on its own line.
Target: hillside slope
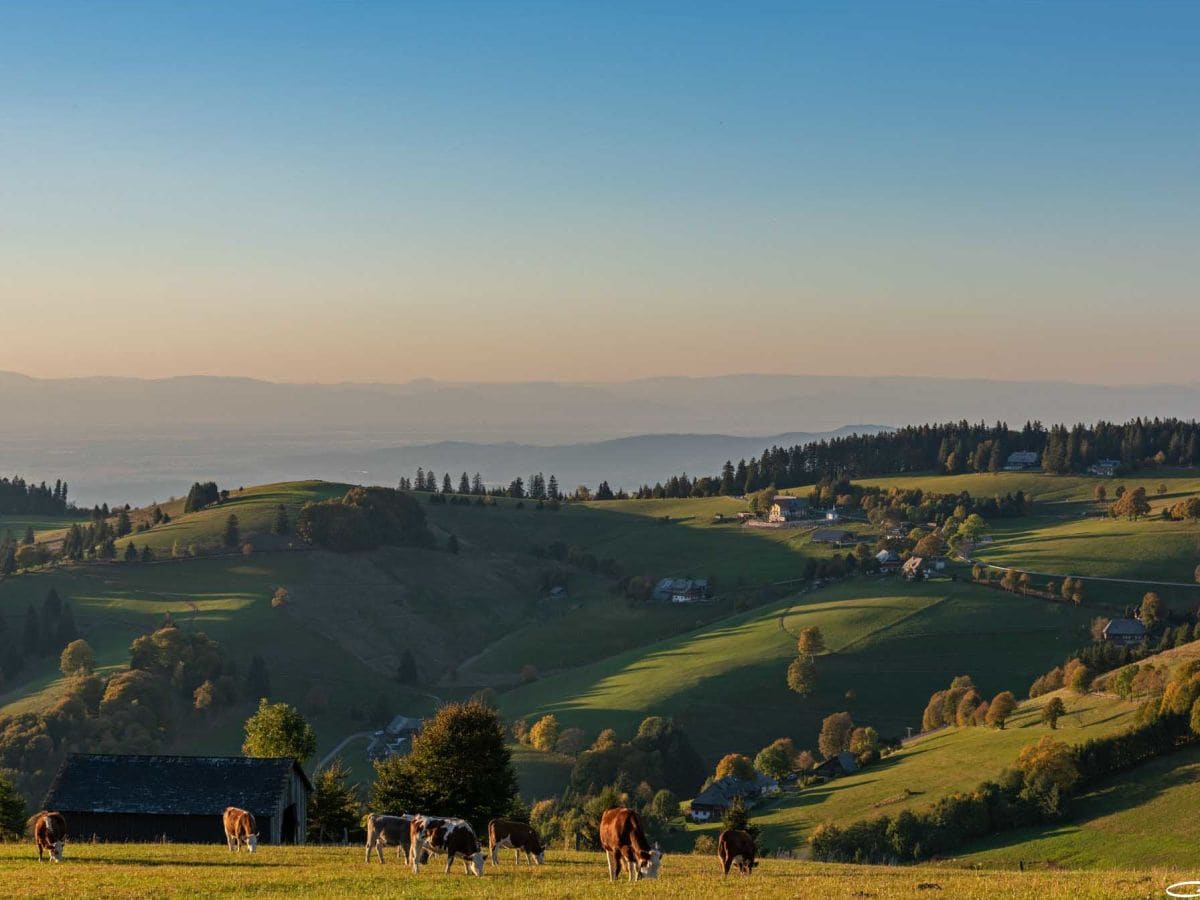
pixel 892 644
pixel 957 759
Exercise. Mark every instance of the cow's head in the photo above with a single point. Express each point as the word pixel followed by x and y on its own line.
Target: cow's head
pixel 252 842
pixel 476 864
pixel 56 851
pixel 540 856
pixel 650 862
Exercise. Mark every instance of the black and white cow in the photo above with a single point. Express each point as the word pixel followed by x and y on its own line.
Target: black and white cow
pixel 453 837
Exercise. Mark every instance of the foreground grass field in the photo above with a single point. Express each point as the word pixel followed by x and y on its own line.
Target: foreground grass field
pixel 158 870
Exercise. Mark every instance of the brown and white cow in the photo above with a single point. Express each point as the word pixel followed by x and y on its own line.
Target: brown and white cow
pixel 736 847
pixel 504 834
pixel 622 838
pixel 388 831
pixel 453 837
pixel 240 829
pixel 50 833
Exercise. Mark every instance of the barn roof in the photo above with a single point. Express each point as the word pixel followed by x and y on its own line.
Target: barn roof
pixel 722 791
pixel 1125 627
pixel 170 785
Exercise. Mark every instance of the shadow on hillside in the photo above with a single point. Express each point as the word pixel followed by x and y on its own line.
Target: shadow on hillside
pixel 1122 792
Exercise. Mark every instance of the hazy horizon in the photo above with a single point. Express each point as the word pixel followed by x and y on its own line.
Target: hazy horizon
pixel 456 382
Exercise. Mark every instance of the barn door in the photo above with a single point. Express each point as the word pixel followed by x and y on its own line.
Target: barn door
pixel 290 825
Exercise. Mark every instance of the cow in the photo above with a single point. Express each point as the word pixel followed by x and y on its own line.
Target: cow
pixel 736 847
pixel 453 837
pixel 623 840
pixel 50 833
pixel 388 831
pixel 240 829
pixel 503 834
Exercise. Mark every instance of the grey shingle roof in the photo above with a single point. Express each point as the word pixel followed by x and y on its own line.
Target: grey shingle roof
pixel 1125 627
pixel 169 785
pixel 722 791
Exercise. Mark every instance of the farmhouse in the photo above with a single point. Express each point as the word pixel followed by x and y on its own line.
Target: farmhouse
pixel 1021 459
pixel 888 561
pixel 832 536
pixel 788 509
pixel 681 590
pixel 1124 632
pixel 395 740
pixel 842 763
pixel 713 801
pixel 178 799
pixel 1105 468
pixel 914 568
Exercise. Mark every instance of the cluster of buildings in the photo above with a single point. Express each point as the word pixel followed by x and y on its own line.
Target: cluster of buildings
pixel 394 740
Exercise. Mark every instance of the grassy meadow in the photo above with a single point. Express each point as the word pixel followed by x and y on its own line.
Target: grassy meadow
pixel 891 642
pixel 957 759
pixel 181 870
pixel 1145 818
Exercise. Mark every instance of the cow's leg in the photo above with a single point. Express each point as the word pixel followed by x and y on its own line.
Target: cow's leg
pixel 634 869
pixel 449 862
pixel 39 846
pixel 726 861
pixel 614 865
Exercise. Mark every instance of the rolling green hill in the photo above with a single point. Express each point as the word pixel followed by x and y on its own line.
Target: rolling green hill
pixel 1145 818
pixel 1066 537
pixel 891 643
pixel 956 759
pixel 476 618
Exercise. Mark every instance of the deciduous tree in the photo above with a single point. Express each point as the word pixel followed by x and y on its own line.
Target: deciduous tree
pixel 279 730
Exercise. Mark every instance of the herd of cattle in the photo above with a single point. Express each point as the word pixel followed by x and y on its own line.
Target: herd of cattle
pixel 416 837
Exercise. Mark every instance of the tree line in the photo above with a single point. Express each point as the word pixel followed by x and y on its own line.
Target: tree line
pixel 537 487
pixel 19 497
pixel 951 448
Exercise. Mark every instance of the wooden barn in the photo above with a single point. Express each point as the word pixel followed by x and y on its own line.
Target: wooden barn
pixel 178 799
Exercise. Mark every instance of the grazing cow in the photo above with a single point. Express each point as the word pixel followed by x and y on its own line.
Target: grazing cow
pixel 240 829
pixel 622 838
pixel 388 831
pixel 736 847
pixel 503 834
pixel 50 833
pixel 453 837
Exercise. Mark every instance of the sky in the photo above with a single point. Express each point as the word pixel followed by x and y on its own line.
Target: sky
pixel 591 192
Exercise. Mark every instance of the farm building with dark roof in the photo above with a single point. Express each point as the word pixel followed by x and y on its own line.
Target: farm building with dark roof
pixel 178 799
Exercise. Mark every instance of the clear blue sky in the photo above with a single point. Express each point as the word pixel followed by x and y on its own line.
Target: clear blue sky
pixel 599 191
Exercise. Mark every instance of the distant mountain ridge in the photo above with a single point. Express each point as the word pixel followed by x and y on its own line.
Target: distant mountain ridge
pixel 144 439
pixel 560 412
pixel 624 462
